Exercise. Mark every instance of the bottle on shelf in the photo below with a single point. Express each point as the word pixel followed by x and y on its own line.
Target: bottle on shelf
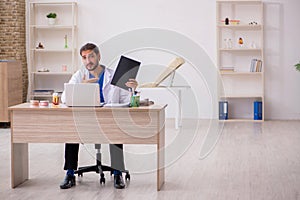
pixel 253 45
pixel 229 44
pixel 226 21
pixel 66 41
pixel 225 43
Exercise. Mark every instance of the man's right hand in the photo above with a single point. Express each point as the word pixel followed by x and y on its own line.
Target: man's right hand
pixel 92 80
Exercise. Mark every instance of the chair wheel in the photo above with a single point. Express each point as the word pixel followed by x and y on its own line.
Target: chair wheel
pixel 127 176
pixel 102 179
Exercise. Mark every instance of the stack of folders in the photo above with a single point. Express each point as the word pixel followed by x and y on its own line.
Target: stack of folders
pixel 257 110
pixel 256 65
pixel 223 110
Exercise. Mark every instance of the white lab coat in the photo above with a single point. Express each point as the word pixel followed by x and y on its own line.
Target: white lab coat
pixel 111 93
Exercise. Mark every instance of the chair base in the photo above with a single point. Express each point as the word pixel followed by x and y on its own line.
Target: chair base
pixel 99 168
pixel 94 168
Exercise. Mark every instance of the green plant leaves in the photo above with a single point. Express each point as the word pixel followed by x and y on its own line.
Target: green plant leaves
pixel 51 15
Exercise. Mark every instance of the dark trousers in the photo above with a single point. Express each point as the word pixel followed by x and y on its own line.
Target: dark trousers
pixel 116 156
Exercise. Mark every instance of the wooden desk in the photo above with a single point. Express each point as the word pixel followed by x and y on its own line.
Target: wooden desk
pixel 142 125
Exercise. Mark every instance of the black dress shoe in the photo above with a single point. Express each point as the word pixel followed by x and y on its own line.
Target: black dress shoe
pixel 68 182
pixel 119 182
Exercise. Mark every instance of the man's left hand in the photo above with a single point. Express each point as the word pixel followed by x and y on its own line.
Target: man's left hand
pixel 132 83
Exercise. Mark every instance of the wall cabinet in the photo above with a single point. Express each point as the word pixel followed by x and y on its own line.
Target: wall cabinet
pixel 240 56
pixel 51 47
pixel 11 87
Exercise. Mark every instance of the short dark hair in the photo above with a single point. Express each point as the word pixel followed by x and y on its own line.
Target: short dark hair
pixel 89 46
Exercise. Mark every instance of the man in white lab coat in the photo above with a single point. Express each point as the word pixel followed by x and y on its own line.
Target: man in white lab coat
pixel 96 73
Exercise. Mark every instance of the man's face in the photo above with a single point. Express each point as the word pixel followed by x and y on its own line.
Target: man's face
pixel 90 59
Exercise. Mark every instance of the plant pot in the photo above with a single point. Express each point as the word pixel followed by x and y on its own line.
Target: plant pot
pixel 51 21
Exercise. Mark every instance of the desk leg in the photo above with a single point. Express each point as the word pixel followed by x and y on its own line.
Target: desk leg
pixel 161 159
pixel 19 164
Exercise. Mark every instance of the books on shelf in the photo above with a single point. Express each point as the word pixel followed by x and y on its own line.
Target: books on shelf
pixel 256 65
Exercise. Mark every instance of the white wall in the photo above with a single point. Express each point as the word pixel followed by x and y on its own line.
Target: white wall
pixel 282 52
pixel 194 20
pixel 102 20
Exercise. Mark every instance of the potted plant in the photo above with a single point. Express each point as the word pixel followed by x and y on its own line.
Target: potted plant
pixel 51 18
pixel 297 66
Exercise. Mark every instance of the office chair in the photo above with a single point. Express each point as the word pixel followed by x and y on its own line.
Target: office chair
pixel 99 168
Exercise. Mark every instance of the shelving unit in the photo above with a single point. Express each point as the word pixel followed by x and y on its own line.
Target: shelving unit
pixel 53 65
pixel 238 85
